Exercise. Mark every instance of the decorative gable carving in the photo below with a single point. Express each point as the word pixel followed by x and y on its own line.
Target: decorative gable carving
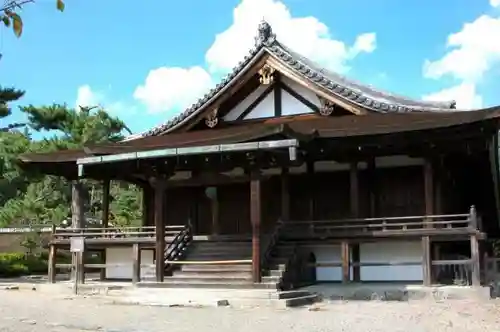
pixel 266 74
pixel 212 119
pixel 327 107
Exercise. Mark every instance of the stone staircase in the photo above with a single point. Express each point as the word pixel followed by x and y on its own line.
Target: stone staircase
pixel 232 274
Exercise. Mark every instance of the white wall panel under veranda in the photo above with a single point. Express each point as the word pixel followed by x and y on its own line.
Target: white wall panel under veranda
pixel 327 254
pixel 123 255
pixel 400 251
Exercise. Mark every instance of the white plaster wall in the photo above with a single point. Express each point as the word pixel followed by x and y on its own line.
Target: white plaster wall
pixel 265 109
pixel 408 251
pixel 123 255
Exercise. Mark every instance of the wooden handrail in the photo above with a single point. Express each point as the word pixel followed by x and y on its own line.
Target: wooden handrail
pixel 269 246
pixel 175 250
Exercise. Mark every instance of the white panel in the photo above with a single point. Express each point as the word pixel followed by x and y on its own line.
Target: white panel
pixel 243 105
pixel 301 90
pixel 291 106
pixel 265 109
pixel 408 251
pixel 124 256
pixel 328 254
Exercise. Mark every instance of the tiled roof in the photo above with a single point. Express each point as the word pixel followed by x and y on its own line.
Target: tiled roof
pixel 357 93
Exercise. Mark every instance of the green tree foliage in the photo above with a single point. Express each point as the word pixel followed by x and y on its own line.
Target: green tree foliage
pixel 34 199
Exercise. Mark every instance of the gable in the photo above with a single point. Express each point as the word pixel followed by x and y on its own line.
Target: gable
pixel 323 91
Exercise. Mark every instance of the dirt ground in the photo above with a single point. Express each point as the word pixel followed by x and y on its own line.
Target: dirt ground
pixel 31 311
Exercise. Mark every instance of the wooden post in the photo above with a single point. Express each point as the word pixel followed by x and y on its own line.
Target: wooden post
pixel 354 202
pixel 426 260
pixel 371 169
pixel 285 194
pixel 136 259
pixel 214 202
pixel 311 190
pixel 255 217
pixel 346 268
pixel 474 249
pixel 52 263
pixel 105 222
pixel 77 221
pixel 429 210
pixel 159 216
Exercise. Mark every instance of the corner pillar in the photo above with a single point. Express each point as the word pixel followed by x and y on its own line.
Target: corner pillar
pixel 255 217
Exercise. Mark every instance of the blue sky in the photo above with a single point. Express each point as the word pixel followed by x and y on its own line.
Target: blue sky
pixel 146 63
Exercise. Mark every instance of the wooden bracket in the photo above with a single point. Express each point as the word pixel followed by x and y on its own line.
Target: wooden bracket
pixel 327 107
pixel 212 118
pixel 266 74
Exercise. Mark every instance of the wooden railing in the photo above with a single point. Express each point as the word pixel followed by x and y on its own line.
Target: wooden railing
pixel 176 249
pixel 388 226
pixel 113 232
pixel 269 243
pixel 452 272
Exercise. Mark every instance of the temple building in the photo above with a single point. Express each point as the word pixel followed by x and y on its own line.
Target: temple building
pixel 287 174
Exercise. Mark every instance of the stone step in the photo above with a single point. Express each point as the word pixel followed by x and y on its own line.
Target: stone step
pixel 274 273
pixel 301 300
pixel 206 284
pixel 218 267
pixel 291 294
pixel 246 249
pixel 216 255
pixel 221 244
pixel 230 279
pixel 213 272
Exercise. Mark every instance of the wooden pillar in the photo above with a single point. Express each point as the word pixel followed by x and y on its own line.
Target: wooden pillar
pixel 52 263
pixel 77 221
pixel 159 218
pixel 285 194
pixel 346 268
pixel 474 250
pixel 373 189
pixel 136 263
pixel 214 202
pixel 255 216
pixel 311 190
pixel 105 222
pixel 429 210
pixel 354 202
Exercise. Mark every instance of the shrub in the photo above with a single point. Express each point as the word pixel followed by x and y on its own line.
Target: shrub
pixel 12 265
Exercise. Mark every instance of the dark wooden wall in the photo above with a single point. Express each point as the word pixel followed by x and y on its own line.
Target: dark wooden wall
pixel 398 192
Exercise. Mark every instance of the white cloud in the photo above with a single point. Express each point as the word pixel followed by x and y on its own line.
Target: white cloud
pixel 173 88
pixel 494 3
pixel 464 94
pixel 86 97
pixel 474 51
pixel 166 88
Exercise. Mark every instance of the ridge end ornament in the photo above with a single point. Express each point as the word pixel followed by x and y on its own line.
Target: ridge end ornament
pixel 265 34
pixel 327 107
pixel 266 74
pixel 212 118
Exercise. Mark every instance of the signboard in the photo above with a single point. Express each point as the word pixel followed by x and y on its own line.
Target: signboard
pixel 77 244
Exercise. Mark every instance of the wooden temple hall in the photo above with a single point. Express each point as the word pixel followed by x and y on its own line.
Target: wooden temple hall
pixel 287 174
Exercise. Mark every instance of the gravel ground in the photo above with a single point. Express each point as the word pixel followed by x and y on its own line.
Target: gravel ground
pixel 25 311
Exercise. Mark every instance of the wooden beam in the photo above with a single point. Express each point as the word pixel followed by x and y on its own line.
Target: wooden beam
pixel 136 263
pixel 256 102
pixel 52 263
pixel 426 260
pixel 346 268
pixel 299 97
pixel 255 216
pixel 311 190
pixel 105 222
pixel 285 194
pixel 277 95
pixel 373 187
pixel 159 217
pixel 355 213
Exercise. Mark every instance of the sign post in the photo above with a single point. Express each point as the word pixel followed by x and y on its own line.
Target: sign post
pixel 77 247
